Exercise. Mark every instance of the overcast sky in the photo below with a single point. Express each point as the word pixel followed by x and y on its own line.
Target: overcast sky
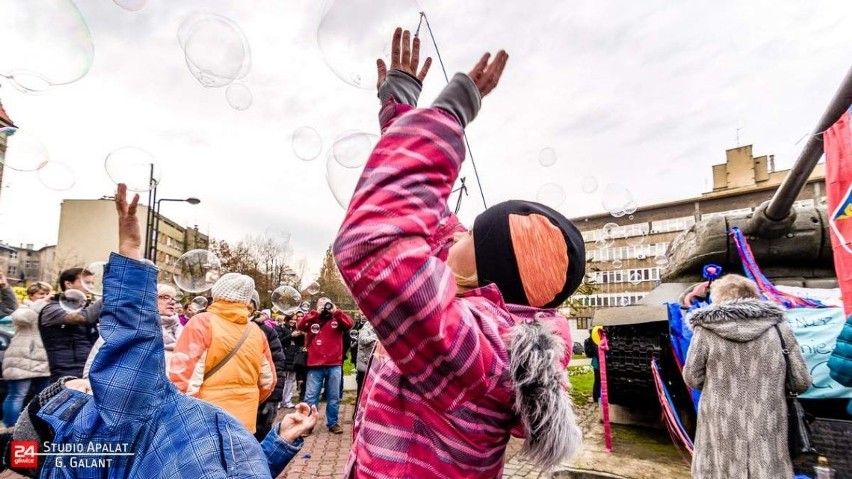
pixel 645 94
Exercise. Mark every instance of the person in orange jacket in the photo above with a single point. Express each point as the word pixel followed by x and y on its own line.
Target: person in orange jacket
pixel 324 340
pixel 223 358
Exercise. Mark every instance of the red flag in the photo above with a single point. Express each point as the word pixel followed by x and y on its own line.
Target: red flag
pixel 838 179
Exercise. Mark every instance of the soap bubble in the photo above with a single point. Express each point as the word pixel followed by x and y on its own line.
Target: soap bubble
pixel 353 333
pixel 616 263
pixel 551 194
pixel 72 301
pixel 604 241
pixel 313 288
pixel 134 167
pixel 352 149
pixel 56 176
pixel 131 5
pixel 197 270
pixel 616 199
pixel 630 208
pixel 238 96
pixel 589 184
pixel 179 363
pixel 46 42
pixel 217 52
pixel 96 284
pixel 201 302
pixel 547 157
pixel 305 306
pixel 287 299
pixel 315 328
pixel 341 180
pixel 635 277
pixel 347 37
pixel 24 152
pixel 661 261
pixel 307 143
pixel 630 217
pixel 637 239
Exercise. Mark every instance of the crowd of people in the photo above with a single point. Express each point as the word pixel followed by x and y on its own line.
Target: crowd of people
pixel 459 348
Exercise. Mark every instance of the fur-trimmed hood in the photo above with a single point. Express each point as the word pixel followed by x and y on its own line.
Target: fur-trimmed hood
pixel 542 402
pixel 740 320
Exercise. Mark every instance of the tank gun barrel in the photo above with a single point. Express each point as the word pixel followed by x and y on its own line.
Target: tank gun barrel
pixel 781 202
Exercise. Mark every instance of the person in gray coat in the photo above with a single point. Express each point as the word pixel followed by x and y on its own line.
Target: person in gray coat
pixel 736 360
pixel 366 344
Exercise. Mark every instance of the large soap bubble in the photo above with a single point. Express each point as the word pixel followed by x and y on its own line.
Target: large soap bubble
pixel 197 270
pixel 134 167
pixel 617 200
pixel 352 149
pixel 342 180
pixel 45 42
pixel 239 96
pixel 56 176
pixel 353 33
pixel 24 152
pixel 307 143
pixel 216 51
pixel 287 299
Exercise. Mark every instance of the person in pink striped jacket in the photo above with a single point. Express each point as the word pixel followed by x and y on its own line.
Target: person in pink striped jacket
pixel 471 348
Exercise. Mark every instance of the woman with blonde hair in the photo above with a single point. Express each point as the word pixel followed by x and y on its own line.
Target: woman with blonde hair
pixel 737 361
pixel 25 363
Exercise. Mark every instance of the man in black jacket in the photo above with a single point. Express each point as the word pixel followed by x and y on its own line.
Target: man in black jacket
pixel 68 336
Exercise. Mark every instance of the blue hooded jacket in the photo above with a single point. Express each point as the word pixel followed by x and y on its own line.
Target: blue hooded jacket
pixel 150 429
pixel 840 361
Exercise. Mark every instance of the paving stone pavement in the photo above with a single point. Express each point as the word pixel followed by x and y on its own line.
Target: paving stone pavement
pixel 324 454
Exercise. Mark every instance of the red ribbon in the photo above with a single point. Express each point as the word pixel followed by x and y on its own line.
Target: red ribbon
pixel 603 347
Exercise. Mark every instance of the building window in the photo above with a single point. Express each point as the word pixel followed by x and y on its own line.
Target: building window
pixel 13 255
pixel 582 323
pixel 673 224
pixel 804 204
pixel 740 211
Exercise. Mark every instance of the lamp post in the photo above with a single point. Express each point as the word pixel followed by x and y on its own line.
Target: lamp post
pixel 153 240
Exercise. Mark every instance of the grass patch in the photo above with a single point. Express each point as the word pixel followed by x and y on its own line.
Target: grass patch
pixel 348 367
pixel 579 356
pixel 582 380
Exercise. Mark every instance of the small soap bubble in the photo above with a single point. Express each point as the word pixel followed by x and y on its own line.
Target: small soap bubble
pixel 73 301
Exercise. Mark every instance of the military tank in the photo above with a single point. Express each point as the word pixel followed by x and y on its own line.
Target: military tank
pixel 791 245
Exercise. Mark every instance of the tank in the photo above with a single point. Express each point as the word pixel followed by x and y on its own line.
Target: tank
pixel 792 247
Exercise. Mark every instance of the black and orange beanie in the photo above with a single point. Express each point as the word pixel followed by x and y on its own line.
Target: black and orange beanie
pixel 533 254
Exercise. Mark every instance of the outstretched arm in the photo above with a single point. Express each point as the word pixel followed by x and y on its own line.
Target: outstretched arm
pixel 384 254
pixel 128 375
pixel 399 88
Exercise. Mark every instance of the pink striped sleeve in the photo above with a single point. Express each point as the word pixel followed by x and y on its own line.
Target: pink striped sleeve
pixel 386 254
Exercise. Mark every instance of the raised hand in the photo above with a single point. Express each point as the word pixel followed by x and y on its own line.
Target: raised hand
pixel 297 423
pixel 129 236
pixel 405 57
pixel 486 75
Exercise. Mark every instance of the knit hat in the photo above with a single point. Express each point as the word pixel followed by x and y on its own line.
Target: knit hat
pixel 255 299
pixel 534 255
pixel 234 288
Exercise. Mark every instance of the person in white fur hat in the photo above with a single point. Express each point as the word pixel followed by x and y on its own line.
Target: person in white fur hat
pixel 223 358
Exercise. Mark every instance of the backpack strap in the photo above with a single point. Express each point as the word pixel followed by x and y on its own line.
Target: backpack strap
pixel 230 355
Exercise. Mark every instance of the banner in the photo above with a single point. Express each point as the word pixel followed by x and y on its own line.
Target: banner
pixel 838 185
pixel 816 331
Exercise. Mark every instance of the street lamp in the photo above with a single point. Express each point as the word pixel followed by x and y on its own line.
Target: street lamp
pixel 191 200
